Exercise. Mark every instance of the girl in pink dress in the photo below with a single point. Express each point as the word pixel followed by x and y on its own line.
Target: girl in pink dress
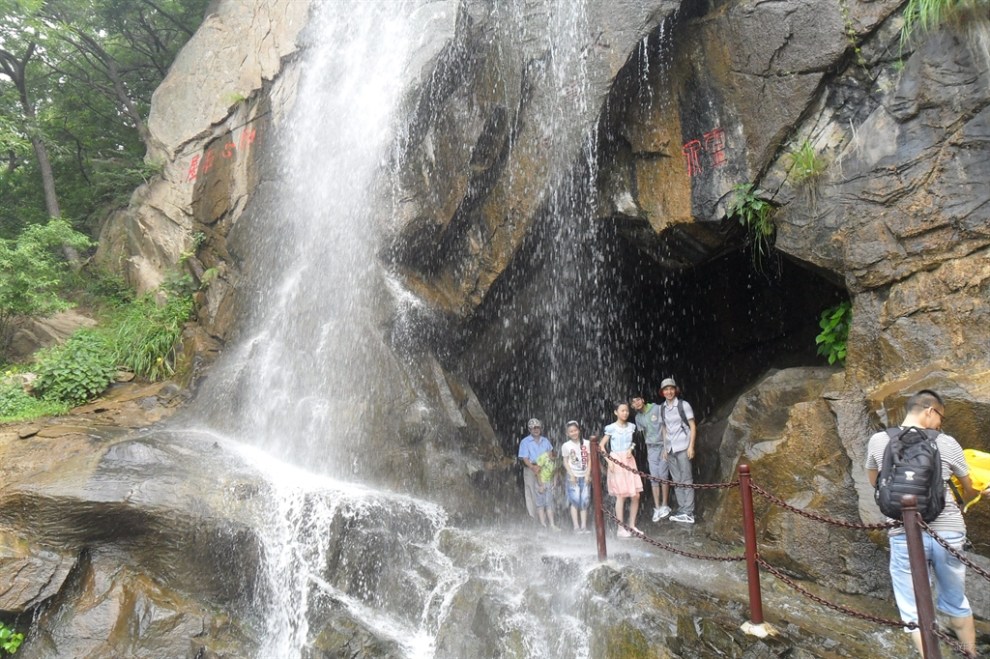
pixel 622 483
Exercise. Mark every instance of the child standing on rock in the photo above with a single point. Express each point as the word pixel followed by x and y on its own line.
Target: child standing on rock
pixel 622 483
pixel 575 453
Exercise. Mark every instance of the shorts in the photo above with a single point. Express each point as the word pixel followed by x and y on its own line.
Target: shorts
pixel 544 495
pixel 658 466
pixel 950 576
pixel 579 494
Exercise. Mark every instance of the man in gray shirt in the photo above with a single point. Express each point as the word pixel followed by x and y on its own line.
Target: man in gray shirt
pixel 679 432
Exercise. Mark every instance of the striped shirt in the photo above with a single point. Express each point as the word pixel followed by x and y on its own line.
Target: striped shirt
pixel 953 463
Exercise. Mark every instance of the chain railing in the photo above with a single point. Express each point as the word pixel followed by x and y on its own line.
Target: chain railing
pixel 927 625
pixel 673 550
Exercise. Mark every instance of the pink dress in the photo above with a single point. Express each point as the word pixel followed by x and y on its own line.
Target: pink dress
pixel 622 482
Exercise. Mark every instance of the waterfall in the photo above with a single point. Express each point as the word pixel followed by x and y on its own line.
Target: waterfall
pixel 308 368
pixel 310 375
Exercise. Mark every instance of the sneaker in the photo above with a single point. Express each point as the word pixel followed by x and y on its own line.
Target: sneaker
pixel 622 533
pixel 686 518
pixel 660 513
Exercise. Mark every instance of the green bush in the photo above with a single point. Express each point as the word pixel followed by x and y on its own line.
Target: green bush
pixel 77 371
pixel 835 322
pixel 18 405
pixel 32 269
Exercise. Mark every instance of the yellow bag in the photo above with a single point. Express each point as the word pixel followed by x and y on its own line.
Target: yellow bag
pixel 979 471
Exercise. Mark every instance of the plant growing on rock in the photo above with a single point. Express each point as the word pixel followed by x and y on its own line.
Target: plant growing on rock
pixel 925 15
pixel 806 163
pixel 10 641
pixel 754 213
pixel 835 322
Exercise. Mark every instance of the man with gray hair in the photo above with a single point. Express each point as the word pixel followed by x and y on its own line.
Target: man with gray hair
pixel 679 433
pixel 531 448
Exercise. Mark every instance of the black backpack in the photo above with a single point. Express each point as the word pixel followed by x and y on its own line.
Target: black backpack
pixel 911 465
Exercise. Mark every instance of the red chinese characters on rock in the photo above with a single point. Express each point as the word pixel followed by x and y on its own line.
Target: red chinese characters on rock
pixel 711 144
pixel 201 164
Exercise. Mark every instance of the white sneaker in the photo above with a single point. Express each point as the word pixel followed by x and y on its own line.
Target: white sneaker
pixel 660 513
pixel 622 533
pixel 686 518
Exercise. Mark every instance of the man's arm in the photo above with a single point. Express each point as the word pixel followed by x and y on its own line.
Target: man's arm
pixel 872 475
pixel 968 491
pixel 694 434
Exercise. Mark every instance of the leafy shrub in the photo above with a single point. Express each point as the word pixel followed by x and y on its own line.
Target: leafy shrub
pixel 756 214
pixel 78 370
pixel 835 322
pixel 10 641
pixel 108 287
pixel 31 271
pixel 18 405
pixel 145 335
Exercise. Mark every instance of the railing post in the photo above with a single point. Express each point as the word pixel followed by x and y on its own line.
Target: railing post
pixel 919 577
pixel 749 533
pixel 596 498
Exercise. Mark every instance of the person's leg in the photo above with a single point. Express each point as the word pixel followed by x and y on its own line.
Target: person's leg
pixel 680 472
pixel 574 500
pixel 900 579
pixel 653 459
pixel 529 490
pixel 633 509
pixel 950 575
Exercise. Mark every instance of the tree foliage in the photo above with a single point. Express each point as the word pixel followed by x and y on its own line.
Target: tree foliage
pixel 76 79
pixel 32 270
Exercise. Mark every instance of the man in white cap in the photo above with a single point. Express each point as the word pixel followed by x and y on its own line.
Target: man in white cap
pixel 531 448
pixel 679 432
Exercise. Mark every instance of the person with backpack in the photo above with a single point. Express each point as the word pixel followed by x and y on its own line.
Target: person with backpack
pixel 916 458
pixel 679 432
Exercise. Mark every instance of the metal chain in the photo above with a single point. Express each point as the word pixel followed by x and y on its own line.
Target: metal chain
pixel 691 486
pixel 822 518
pixel 942 541
pixel 670 548
pixel 836 607
pixel 954 644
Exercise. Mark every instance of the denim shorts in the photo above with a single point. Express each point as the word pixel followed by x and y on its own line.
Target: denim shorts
pixel 579 494
pixel 949 571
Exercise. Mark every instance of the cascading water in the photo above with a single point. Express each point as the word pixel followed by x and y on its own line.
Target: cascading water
pixel 309 378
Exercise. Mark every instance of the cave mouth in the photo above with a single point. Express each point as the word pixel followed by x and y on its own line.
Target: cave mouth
pixel 550 344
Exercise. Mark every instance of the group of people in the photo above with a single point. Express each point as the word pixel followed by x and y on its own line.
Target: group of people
pixel 669 430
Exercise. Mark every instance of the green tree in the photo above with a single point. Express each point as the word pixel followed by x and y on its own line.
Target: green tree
pixel 31 272
pixel 20 49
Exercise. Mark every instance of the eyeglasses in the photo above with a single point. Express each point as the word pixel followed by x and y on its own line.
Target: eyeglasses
pixel 940 414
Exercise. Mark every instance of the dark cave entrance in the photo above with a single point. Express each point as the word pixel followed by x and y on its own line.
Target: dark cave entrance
pixel 551 344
